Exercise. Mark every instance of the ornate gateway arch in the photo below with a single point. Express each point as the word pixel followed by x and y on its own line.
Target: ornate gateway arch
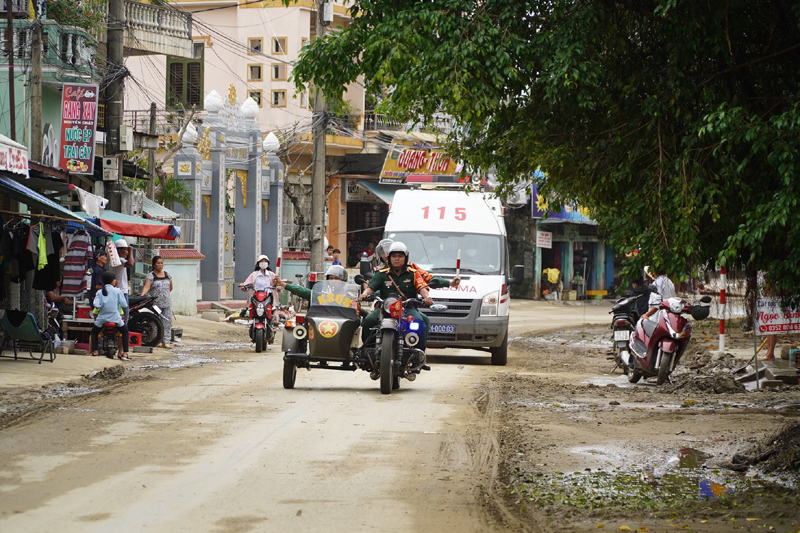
pixel 237 183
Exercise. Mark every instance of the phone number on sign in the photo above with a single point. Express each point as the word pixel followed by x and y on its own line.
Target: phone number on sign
pixel 778 328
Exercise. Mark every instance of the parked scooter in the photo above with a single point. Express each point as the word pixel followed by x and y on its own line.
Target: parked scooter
pixel 624 317
pixel 658 343
pixel 145 318
pixel 262 330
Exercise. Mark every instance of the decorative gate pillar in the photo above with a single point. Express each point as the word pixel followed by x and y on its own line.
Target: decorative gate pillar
pixel 271 225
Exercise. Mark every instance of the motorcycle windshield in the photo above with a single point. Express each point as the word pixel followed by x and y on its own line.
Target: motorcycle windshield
pixel 333 298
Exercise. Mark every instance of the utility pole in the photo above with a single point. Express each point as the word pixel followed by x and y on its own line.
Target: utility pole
pixel 36 92
pixel 114 75
pixel 151 156
pixel 318 170
pixel 10 50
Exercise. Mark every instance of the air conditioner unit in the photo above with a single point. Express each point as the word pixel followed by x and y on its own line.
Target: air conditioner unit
pixel 519 197
pixel 111 168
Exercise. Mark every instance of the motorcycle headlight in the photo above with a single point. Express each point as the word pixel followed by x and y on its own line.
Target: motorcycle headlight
pixel 489 304
pixel 393 307
pixel 260 310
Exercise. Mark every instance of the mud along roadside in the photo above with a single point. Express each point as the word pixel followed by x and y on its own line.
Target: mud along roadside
pixel 28 388
pixel 581 449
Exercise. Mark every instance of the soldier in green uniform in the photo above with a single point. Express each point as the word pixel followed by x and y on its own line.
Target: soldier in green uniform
pixel 333 272
pixel 397 279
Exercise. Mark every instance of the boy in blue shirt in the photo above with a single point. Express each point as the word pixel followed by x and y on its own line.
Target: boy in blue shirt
pixel 335 256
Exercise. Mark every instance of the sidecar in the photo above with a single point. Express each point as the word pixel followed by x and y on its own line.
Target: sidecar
pixel 329 334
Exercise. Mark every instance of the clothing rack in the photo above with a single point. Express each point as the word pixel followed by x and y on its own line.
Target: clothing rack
pixel 54 217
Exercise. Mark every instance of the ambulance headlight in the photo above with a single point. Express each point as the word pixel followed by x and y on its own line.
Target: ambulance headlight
pixel 489 304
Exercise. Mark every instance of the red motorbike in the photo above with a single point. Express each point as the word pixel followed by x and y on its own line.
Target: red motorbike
pixel 658 343
pixel 262 331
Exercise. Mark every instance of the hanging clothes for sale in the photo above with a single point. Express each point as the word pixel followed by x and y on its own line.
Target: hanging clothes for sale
pixel 46 278
pixel 77 261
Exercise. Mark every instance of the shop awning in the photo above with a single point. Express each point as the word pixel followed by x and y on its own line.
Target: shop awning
pixel 384 192
pixel 31 198
pixel 158 212
pixel 136 226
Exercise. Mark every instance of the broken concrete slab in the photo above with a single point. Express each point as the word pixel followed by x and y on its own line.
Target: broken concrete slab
pixel 789 376
pixel 142 349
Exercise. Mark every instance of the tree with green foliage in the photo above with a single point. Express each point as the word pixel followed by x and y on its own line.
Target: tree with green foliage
pixel 676 123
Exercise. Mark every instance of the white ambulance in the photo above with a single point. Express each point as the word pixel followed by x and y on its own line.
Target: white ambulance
pixel 435 225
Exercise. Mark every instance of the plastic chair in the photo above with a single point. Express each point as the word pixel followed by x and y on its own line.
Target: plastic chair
pixel 25 336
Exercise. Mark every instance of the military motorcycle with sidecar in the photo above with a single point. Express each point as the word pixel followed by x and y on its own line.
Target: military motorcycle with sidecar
pixel 328 336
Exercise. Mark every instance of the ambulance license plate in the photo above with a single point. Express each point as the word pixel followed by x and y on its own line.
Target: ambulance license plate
pixel 440 328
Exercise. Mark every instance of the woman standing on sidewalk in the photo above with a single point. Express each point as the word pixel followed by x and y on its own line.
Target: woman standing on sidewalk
pixel 159 284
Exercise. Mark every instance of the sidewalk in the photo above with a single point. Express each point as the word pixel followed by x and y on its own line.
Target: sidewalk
pixel 26 373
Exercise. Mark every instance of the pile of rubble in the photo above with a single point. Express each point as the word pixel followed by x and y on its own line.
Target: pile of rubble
pixel 706 372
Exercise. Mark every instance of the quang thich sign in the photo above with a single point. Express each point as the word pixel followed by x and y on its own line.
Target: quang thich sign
pixel 772 318
pixel 78 127
pixel 408 158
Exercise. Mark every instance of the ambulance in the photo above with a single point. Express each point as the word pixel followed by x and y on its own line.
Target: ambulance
pixel 437 226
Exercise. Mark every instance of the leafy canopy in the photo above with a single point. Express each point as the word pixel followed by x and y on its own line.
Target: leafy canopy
pixel 675 122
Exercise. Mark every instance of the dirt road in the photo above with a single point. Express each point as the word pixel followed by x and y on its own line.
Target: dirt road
pixel 206 439
pixel 223 447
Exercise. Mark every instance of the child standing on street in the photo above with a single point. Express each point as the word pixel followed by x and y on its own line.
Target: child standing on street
pixel 107 303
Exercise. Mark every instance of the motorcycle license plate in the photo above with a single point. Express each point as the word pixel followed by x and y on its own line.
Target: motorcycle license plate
pixel 621 335
pixel 157 308
pixel 440 328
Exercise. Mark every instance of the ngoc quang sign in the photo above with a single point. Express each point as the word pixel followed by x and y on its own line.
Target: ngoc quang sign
pixel 772 319
pixel 78 127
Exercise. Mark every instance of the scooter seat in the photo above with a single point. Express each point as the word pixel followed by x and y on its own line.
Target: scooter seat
pixel 649 327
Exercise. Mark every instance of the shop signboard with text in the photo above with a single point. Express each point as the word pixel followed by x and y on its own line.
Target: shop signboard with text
pixel 544 239
pixel 408 160
pixel 772 318
pixel 13 156
pixel 78 127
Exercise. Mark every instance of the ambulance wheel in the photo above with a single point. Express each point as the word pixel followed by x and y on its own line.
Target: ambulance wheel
pixel 500 354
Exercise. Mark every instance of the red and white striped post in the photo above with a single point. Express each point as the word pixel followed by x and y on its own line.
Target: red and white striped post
pixel 723 284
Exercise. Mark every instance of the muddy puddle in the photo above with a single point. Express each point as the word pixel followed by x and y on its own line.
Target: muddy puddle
pixel 662 480
pixel 193 355
pixel 70 392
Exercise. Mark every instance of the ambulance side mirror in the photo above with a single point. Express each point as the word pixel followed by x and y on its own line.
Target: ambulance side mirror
pixel 519 274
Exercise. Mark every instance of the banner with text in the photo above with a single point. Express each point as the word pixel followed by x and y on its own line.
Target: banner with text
pixel 78 127
pixel 407 158
pixel 13 156
pixel 771 318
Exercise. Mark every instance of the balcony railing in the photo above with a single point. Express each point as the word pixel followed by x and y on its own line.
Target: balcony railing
pixel 168 121
pixel 67 48
pixel 153 29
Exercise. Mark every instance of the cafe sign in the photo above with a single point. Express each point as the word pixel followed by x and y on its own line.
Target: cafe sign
pixel 412 159
pixel 78 127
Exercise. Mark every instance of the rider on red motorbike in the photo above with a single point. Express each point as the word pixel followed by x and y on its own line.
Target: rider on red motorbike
pixel 261 278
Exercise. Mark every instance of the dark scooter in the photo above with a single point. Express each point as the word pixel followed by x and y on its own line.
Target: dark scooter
pixel 624 317
pixel 145 318
pixel 656 346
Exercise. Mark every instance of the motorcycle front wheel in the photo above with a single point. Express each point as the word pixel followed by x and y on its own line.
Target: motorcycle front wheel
pixel 258 338
pixel 150 326
pixel 663 368
pixel 387 362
